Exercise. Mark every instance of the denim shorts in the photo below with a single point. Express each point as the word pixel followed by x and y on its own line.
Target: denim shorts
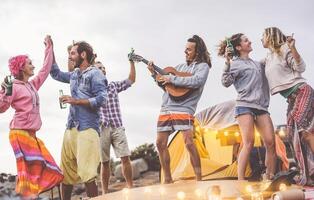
pixel 240 110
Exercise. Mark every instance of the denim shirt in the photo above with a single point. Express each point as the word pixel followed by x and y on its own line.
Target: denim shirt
pixel 89 84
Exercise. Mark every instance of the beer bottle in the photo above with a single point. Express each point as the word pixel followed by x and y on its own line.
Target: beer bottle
pixel 9 86
pixel 230 47
pixel 62 105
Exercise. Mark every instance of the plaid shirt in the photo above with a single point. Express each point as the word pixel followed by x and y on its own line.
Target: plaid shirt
pixel 110 114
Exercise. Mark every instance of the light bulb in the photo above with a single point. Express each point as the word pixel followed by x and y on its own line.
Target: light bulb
pixel 181 195
pixel 282 132
pixel 162 191
pixel 276 197
pixel 282 187
pixel 147 190
pixel 125 191
pixel 249 188
pixel 198 192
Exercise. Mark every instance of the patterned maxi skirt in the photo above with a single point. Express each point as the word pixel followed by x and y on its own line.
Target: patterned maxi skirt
pixel 37 171
pixel 300 118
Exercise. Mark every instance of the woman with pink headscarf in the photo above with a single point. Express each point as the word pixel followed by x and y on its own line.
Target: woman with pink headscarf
pixel 36 169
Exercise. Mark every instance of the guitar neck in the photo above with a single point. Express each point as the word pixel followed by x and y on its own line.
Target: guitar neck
pixel 156 68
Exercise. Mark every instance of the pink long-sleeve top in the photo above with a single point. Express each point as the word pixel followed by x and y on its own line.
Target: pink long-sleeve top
pixel 25 99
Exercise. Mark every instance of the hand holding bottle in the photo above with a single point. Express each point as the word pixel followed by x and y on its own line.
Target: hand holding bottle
pixel 229 51
pixel 7 85
pixel 62 104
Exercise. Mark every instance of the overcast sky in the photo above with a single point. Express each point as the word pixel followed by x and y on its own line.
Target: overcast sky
pixel 158 31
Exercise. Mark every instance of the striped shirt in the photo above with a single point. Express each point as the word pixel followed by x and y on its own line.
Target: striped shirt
pixel 110 114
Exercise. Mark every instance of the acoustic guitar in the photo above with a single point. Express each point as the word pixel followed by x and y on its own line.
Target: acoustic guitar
pixel 175 92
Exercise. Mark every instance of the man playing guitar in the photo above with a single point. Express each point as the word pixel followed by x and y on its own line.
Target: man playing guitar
pixel 177 115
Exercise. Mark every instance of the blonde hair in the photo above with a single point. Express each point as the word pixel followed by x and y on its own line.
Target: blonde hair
pixel 275 39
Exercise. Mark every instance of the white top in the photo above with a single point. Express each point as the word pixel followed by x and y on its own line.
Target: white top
pixel 282 71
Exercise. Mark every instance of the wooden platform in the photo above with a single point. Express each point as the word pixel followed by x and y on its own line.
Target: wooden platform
pixel 190 189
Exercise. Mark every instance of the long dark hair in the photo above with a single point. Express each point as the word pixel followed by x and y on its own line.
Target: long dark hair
pixel 235 41
pixel 84 46
pixel 202 54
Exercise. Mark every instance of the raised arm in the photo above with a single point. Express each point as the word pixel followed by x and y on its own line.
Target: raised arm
pixel 293 57
pixel 42 75
pixel 132 75
pixel 58 75
pixel 231 72
pixel 125 84
pixel 227 77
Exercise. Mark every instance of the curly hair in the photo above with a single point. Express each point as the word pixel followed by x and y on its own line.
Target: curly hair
pixel 17 64
pixel 235 41
pixel 202 54
pixel 275 39
pixel 84 46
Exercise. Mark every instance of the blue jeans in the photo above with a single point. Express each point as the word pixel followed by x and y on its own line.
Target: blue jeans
pixel 241 110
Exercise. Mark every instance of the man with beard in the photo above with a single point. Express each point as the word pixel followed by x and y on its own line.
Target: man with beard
pixel 177 115
pixel 80 150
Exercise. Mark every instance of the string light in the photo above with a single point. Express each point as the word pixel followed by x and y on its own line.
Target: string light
pixel 282 187
pixel 282 132
pixel 276 197
pixel 162 191
pixel 214 193
pixel 226 133
pixel 237 134
pixel 147 190
pixel 257 134
pixel 181 195
pixel 198 192
pixel 249 188
pixel 125 191
pixel 257 196
pixel 255 191
pixel 197 129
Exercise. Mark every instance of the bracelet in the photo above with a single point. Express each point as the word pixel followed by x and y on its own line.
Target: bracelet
pixel 227 67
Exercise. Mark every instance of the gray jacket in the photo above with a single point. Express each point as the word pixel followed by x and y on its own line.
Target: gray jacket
pixel 249 80
pixel 197 81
